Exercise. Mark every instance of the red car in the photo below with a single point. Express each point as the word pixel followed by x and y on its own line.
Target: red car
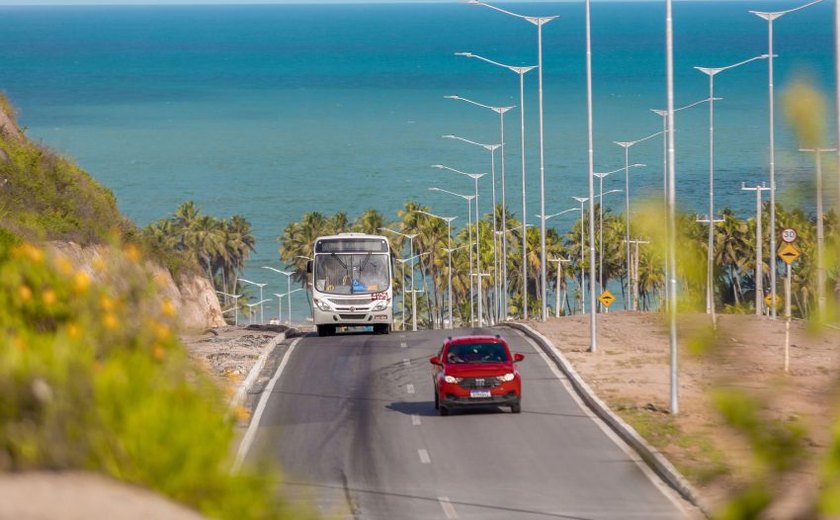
pixel 476 370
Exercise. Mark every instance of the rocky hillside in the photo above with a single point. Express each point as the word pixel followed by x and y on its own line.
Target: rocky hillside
pixel 45 198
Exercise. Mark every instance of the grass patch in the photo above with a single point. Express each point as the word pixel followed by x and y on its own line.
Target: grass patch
pixel 695 456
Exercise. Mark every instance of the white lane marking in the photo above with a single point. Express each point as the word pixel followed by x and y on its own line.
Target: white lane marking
pixel 415 420
pixel 659 483
pixel 406 362
pixel 409 388
pixel 448 508
pixel 424 456
pixel 248 439
pixel 403 344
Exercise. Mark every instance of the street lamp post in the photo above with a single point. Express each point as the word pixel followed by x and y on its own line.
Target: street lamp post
pixel 820 228
pixel 501 111
pixel 711 73
pixel 559 261
pixel 538 21
pixel 492 149
pixel 475 177
pixel 449 249
pixel 260 285
pixel 759 268
pixel 289 291
pixel 521 71
pixel 601 176
pixel 410 251
pixel 469 199
pixel 771 17
pixel 280 305
pixel 545 218
pixel 671 205
pixel 235 305
pixel 413 290
pixel 251 310
pixel 627 145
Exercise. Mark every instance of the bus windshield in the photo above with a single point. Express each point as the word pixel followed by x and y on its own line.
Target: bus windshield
pixel 351 273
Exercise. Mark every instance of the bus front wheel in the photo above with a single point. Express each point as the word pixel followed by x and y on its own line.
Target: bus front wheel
pixel 381 329
pixel 326 330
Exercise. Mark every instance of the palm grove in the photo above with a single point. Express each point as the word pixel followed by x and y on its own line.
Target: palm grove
pixel 734 277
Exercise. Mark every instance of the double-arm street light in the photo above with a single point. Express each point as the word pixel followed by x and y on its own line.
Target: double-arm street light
pixel 280 305
pixel 627 145
pixel 449 250
pixel 538 21
pixel 251 310
pixel 772 16
pixel 475 177
pixel 521 71
pixel 289 291
pixel 711 72
pixel 492 149
pixel 260 285
pixel 469 199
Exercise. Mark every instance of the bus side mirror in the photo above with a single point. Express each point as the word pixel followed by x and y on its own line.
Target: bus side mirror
pixel 309 267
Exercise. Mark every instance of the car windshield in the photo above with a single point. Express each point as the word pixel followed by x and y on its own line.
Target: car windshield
pixel 476 353
pixel 353 273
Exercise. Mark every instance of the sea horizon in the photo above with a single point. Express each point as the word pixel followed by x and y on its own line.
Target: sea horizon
pixel 256 110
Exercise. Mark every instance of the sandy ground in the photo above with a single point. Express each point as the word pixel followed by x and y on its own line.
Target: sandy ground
pixel 631 372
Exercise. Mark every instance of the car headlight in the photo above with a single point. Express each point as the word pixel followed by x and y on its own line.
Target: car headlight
pixel 450 379
pixel 323 305
pixel 380 305
pixel 507 377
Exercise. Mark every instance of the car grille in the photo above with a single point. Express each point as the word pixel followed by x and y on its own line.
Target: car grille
pixel 479 382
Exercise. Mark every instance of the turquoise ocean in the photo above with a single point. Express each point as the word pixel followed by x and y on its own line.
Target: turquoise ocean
pixel 272 111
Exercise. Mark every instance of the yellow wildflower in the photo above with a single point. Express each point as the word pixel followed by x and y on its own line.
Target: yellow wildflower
pixel 74 331
pixel 242 414
pixel 24 293
pixel 48 297
pixel 158 352
pixel 81 282
pixel 110 321
pixel 106 303
pixel 64 265
pixel 98 264
pixel 132 252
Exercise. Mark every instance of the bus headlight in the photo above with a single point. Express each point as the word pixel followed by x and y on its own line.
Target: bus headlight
pixel 380 305
pixel 323 305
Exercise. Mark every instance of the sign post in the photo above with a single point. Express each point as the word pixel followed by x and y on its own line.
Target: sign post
pixel 788 252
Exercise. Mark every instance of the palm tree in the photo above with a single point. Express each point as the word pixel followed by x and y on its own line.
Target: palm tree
pixel 369 222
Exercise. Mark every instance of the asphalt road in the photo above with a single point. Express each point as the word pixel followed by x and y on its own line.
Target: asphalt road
pixel 352 422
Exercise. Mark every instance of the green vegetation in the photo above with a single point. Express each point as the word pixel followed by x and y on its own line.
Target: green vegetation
pixel 735 269
pixel 93 377
pixel 189 239
pixel 44 196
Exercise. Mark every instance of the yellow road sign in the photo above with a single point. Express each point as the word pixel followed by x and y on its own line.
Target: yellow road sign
pixel 789 253
pixel 769 300
pixel 606 298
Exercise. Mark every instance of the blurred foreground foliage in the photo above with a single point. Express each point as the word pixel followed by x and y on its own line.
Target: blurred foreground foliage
pixel 93 377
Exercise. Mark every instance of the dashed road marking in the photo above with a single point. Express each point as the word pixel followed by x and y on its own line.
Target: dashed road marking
pixel 409 388
pixel 403 344
pixel 448 508
pixel 415 420
pixel 424 456
pixel 406 362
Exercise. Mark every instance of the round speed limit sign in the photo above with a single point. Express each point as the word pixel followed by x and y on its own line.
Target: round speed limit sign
pixel 789 235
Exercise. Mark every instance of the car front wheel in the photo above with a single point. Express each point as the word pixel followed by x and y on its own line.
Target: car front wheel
pixel 516 408
pixel 443 411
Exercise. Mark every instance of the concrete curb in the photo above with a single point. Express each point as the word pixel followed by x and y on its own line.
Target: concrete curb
pixel 246 385
pixel 658 463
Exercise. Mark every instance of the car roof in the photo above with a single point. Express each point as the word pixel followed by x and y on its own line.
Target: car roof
pixel 459 340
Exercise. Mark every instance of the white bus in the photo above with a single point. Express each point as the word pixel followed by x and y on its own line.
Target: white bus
pixel 351 283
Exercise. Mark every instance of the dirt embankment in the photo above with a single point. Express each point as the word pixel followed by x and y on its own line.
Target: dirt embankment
pixel 631 372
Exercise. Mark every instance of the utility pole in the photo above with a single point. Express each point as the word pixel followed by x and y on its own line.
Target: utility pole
pixel 759 241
